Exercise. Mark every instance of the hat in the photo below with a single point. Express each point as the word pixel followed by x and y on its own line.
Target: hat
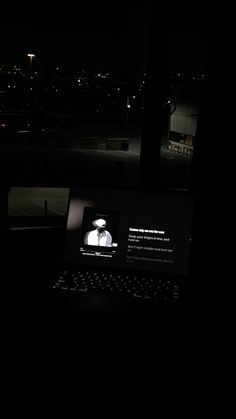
pixel 99 223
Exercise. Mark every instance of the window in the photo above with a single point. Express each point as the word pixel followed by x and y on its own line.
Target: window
pixel 189 36
pixel 72 95
pixel 178 45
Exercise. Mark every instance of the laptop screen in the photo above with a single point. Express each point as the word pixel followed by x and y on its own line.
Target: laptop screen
pixel 129 229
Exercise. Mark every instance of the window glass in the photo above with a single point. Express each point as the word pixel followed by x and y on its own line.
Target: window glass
pixel 72 94
pixel 189 36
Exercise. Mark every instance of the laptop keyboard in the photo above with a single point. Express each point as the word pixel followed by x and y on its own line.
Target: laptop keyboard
pixel 136 286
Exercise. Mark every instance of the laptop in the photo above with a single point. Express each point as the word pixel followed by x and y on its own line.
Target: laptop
pixel 125 249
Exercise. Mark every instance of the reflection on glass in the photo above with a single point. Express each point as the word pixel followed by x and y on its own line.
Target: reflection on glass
pixel 189 39
pixel 182 110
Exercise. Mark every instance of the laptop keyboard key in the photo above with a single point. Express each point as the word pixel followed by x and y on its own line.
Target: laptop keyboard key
pixel 136 286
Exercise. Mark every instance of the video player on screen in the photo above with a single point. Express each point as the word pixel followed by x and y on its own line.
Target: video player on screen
pixel 99 236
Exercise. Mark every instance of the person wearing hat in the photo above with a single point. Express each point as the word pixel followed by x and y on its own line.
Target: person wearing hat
pixel 99 236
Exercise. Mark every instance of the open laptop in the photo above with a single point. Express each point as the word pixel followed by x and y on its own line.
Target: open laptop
pixel 123 246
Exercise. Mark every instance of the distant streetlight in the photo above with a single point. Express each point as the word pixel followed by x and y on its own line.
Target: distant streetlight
pixel 128 106
pixel 128 103
pixel 31 56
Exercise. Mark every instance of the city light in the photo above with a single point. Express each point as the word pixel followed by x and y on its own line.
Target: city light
pixel 31 56
pixel 106 94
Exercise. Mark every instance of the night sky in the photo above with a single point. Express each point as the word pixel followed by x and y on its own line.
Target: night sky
pixel 106 35
pixel 103 36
